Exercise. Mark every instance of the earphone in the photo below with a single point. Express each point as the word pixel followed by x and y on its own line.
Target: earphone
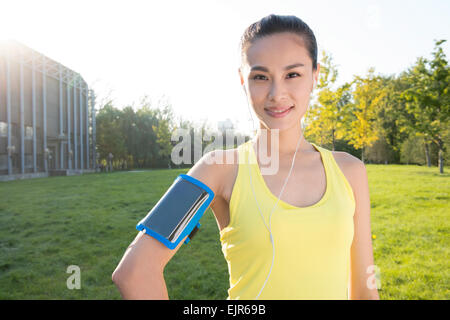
pixel 269 228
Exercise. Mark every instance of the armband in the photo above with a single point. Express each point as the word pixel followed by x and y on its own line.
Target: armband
pixel 177 214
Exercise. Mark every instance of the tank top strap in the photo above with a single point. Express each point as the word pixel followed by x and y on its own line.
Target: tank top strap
pixel 246 158
pixel 338 177
pixel 242 178
pixel 326 157
pixel 243 151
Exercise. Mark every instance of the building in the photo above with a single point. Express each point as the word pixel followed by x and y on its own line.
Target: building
pixel 47 116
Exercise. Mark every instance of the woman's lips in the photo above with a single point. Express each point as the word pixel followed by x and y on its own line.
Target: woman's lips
pixel 278 114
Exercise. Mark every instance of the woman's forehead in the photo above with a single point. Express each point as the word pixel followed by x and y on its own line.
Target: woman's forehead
pixel 278 50
pixel 280 37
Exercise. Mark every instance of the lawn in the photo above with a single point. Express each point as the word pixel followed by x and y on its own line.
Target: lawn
pixel 48 224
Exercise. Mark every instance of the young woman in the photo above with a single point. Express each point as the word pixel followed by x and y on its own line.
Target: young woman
pixel 301 233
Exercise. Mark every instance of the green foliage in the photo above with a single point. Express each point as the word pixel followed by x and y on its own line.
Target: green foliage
pixel 428 97
pixel 109 134
pixel 377 114
pixel 141 138
pixel 413 151
pixel 368 94
pixel 326 120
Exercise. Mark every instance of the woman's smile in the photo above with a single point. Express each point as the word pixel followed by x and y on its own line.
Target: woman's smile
pixel 278 113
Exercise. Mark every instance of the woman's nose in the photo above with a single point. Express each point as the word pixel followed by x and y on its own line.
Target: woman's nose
pixel 277 91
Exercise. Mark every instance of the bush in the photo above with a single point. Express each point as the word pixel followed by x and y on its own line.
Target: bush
pixel 412 151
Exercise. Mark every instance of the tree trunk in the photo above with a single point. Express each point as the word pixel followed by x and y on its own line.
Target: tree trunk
pixel 333 140
pixel 362 154
pixel 441 155
pixel 427 154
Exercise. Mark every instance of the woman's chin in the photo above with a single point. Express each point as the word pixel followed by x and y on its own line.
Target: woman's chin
pixel 282 124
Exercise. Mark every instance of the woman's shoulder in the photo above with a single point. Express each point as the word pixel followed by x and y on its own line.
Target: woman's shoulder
pixel 346 158
pixel 352 167
pixel 348 163
pixel 215 169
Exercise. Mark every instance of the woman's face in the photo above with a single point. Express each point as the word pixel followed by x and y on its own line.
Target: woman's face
pixel 277 76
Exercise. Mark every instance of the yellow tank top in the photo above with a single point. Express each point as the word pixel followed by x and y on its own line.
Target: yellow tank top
pixel 312 244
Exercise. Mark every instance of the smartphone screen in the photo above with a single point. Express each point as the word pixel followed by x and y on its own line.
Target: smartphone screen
pixel 175 209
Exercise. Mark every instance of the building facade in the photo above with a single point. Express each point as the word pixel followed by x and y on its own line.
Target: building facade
pixel 47 116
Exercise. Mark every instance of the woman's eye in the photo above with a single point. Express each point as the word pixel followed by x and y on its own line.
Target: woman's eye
pixel 258 75
pixel 262 77
pixel 292 74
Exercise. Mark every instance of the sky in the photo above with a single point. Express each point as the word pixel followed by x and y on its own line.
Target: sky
pixel 186 52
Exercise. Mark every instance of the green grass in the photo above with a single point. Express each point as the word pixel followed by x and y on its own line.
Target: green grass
pixel 410 217
pixel 50 223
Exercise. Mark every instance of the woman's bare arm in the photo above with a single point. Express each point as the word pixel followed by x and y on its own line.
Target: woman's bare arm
pixel 362 284
pixel 140 273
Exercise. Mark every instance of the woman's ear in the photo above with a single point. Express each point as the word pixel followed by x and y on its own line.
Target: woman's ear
pixel 242 80
pixel 316 75
pixel 241 76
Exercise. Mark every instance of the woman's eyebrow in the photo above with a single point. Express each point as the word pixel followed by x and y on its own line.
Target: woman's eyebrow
pixel 261 68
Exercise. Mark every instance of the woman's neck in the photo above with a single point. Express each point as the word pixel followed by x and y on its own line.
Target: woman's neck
pixel 286 142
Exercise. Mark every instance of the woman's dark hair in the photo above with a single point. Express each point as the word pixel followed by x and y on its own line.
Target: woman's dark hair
pixel 275 24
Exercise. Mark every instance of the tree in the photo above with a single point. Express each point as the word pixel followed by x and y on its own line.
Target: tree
pixel 109 132
pixel 163 130
pixel 326 119
pixel 147 152
pixel 392 116
pixel 391 127
pixel 428 99
pixel 130 134
pixel 368 95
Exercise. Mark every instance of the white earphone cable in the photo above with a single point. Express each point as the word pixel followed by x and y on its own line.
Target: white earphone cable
pixel 269 228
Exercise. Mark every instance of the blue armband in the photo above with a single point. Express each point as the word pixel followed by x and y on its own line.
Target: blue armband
pixel 177 213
